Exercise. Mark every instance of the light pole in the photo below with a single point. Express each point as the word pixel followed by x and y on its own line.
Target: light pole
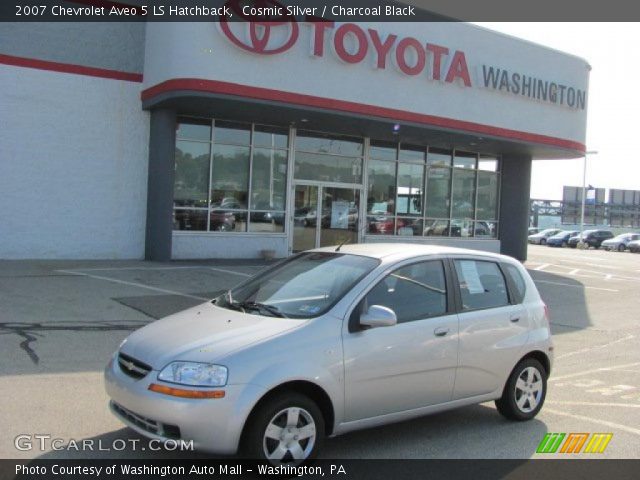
pixel 584 183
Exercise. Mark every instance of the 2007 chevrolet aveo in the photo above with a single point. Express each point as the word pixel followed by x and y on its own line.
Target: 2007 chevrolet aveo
pixel 331 341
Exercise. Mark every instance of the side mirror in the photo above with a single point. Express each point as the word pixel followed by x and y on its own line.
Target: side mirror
pixel 378 316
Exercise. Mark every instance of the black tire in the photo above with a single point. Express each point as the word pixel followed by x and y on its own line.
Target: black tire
pixel 621 247
pixel 508 404
pixel 255 444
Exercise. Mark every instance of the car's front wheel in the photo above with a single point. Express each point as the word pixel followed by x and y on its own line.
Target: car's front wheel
pixel 621 247
pixel 525 391
pixel 287 430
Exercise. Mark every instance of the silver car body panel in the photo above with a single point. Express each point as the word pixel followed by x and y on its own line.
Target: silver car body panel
pixel 372 377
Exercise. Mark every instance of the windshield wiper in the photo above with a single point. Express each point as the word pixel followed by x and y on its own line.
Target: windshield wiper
pixel 275 311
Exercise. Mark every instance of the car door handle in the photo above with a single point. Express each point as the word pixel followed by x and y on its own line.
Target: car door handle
pixel 441 331
pixel 514 319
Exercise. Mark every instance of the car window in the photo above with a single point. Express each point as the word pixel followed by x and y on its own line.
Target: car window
pixel 481 284
pixel 517 280
pixel 413 292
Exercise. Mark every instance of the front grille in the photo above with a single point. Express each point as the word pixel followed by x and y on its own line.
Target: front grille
pixel 147 424
pixel 132 367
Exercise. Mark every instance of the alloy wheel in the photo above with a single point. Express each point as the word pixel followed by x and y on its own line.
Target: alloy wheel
pixel 528 389
pixel 290 436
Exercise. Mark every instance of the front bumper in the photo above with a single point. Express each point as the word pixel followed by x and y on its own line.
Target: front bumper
pixel 214 425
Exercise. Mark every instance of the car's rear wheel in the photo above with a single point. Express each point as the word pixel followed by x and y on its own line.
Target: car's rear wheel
pixel 621 247
pixel 525 391
pixel 287 430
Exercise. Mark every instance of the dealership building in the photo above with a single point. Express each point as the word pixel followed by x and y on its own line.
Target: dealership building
pixel 224 139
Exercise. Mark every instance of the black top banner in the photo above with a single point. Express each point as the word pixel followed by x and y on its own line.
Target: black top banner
pixel 333 10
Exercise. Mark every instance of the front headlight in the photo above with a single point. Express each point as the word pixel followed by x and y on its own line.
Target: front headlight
pixel 194 374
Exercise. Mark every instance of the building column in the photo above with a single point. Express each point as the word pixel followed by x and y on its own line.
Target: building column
pixel 162 140
pixel 514 205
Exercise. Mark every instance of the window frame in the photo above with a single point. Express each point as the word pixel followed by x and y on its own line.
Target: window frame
pixel 355 309
pixel 458 292
pixel 253 126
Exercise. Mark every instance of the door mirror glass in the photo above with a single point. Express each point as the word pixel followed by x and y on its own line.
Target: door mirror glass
pixel 378 316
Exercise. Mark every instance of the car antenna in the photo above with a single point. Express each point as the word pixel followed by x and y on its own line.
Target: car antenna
pixel 341 244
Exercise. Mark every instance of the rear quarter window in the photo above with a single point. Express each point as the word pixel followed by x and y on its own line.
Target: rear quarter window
pixel 520 286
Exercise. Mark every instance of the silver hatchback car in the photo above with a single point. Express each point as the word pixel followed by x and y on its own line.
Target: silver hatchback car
pixel 333 340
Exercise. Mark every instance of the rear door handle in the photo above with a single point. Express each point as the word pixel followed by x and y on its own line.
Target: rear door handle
pixel 514 319
pixel 441 331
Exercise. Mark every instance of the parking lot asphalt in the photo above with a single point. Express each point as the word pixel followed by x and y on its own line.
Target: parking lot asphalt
pixel 61 320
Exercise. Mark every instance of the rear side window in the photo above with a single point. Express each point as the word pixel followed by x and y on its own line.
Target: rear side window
pixel 413 292
pixel 481 284
pixel 517 281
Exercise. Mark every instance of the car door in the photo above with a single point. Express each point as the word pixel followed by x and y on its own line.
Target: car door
pixel 493 328
pixel 408 365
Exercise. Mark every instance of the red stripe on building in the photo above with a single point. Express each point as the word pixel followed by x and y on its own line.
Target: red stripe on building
pixel 244 91
pixel 69 68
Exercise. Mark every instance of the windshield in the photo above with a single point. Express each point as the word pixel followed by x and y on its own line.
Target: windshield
pixel 305 286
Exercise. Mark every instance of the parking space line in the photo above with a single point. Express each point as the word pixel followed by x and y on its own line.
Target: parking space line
pixel 575 286
pixel 230 271
pixel 542 267
pixel 597 421
pixel 594 404
pixel 595 370
pixel 134 284
pixel 573 272
pixel 590 349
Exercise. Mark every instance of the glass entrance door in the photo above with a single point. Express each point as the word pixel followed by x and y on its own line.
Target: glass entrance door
pixel 324 216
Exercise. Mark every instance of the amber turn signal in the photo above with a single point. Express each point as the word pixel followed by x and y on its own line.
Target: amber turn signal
pixel 183 393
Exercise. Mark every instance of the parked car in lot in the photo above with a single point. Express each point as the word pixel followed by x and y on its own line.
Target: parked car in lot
pixel 561 239
pixel 593 238
pixel 541 237
pixel 620 242
pixel 533 230
pixel 634 246
pixel 333 340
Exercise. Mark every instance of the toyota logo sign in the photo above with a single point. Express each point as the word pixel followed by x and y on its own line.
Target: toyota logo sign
pixel 264 37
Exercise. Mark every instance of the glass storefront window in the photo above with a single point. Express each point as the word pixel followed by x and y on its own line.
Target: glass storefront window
pixel 383 150
pixel 194 220
pixel 434 227
pixel 411 154
pixel 410 185
pixel 236 203
pixel 464 160
pixel 272 137
pixel 463 193
pixel 195 130
pixel 489 164
pixel 439 157
pixel 438 191
pixel 232 133
pixel 487 208
pixel 269 179
pixel 266 222
pixel 328 168
pixel 317 142
pixel 381 197
pixel 230 177
pixel 191 174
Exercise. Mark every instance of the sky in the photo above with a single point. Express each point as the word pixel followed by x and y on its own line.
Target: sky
pixel 610 49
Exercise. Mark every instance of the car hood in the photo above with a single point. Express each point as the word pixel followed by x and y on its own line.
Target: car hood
pixel 204 333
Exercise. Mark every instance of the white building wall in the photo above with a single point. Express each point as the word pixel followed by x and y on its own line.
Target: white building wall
pixel 73 166
pixel 191 245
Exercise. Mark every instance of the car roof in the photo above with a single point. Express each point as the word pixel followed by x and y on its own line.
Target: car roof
pixel 402 251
